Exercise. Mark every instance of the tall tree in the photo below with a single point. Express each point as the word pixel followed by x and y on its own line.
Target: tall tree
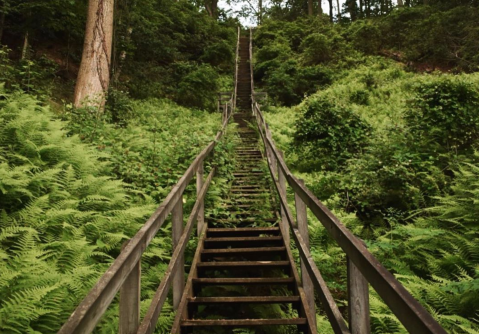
pixel 310 7
pixel 331 10
pixel 320 8
pixel 400 3
pixel 211 7
pixel 339 10
pixel 94 74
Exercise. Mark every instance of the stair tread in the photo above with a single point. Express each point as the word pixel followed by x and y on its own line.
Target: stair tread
pixel 248 299
pixel 246 280
pixel 243 250
pixel 244 229
pixel 226 239
pixel 243 322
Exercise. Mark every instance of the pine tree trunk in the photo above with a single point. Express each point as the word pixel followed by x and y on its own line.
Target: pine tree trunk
pixel 310 7
pixel 2 22
pixel 339 10
pixel 320 8
pixel 400 3
pixel 361 4
pixel 25 46
pixel 94 74
pixel 331 13
pixel 368 8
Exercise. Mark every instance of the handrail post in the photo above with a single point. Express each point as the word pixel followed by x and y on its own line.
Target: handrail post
pixel 284 218
pixel 302 221
pixel 130 301
pixel 269 153
pixel 358 301
pixel 199 185
pixel 177 231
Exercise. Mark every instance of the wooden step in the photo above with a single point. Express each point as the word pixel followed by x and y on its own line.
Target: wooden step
pixel 243 300
pixel 242 242
pixel 228 251
pixel 244 281
pixel 244 229
pixel 243 322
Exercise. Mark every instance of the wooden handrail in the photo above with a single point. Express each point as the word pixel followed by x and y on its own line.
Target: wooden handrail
pixel 149 322
pixel 236 69
pixel 408 310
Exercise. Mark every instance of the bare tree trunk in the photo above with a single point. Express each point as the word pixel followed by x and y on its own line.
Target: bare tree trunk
pixel 25 46
pixel 331 10
pixel 310 7
pixel 320 8
pixel 211 7
pixel 2 23
pixel 339 10
pixel 368 8
pixel 361 4
pixel 94 74
pixel 400 3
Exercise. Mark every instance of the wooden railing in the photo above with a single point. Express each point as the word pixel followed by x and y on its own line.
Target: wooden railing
pixel 124 275
pixel 362 267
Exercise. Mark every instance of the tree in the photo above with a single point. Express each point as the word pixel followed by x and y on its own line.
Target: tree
pixel 211 7
pixel 94 74
pixel 310 7
pixel 339 10
pixel 320 8
pixel 331 10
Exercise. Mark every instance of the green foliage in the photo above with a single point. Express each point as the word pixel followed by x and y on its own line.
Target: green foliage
pixel 405 191
pixel 295 59
pixel 445 105
pixel 62 218
pixel 155 144
pixel 329 134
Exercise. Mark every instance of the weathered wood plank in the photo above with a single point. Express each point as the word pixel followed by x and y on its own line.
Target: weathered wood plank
pixel 177 232
pixel 181 314
pixel 358 301
pixel 130 302
pixel 148 324
pixel 199 185
pixel 244 322
pixel 302 222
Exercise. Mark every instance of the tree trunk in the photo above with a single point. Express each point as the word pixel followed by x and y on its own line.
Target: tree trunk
pixel 400 3
pixel 320 8
pixel 94 74
pixel 310 7
pixel 25 46
pixel 361 4
pixel 331 10
pixel 368 8
pixel 211 7
pixel 339 11
pixel 2 22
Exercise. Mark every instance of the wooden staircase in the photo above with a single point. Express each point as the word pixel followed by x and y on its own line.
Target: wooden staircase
pixel 243 277
pixel 243 273
pixel 242 269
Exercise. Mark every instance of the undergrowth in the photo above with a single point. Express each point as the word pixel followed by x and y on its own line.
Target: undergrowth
pixel 408 191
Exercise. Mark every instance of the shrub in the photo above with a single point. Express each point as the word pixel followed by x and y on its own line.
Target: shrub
pixel 329 133
pixel 445 113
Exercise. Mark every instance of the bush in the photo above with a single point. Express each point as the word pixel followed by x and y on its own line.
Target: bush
pixel 445 113
pixel 329 133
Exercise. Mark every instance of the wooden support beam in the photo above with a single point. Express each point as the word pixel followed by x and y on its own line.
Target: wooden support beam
pixel 130 301
pixel 302 222
pixel 284 219
pixel 179 273
pixel 199 184
pixel 358 301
